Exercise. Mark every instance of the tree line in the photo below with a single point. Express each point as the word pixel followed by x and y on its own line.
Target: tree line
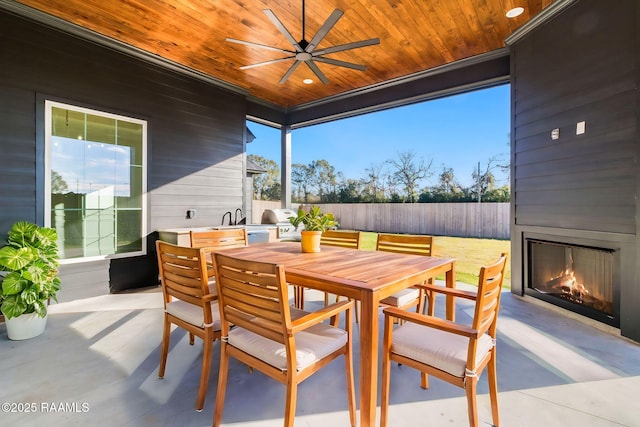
pixel 397 180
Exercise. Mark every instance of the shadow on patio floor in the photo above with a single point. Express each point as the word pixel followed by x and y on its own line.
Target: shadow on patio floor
pixel 96 364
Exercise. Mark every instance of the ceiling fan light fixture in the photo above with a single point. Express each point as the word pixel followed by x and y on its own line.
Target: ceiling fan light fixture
pixel 305 51
pixel 516 11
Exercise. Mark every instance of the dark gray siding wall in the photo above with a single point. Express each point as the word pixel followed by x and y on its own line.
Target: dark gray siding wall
pixel 195 142
pixel 576 69
pixel 580 66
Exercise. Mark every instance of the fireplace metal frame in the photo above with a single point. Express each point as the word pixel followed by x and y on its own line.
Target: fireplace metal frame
pixel 612 247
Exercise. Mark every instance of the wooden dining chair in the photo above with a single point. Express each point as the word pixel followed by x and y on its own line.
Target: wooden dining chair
pixel 414 244
pixel 342 239
pixel 287 344
pixel 215 240
pixel 453 352
pixel 184 275
pixel 225 238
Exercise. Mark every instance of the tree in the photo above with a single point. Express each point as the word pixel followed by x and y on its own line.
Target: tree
pixel 447 182
pixel 266 186
pixel 409 170
pixel 302 178
pixel 58 185
pixel 374 183
pixel 324 177
pixel 485 181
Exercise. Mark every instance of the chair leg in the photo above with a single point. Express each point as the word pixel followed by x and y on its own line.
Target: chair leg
pixel 192 338
pixel 222 384
pixel 493 389
pixel 290 404
pixel 470 388
pixel 386 372
pixel 351 393
pixel 206 369
pixel 298 296
pixel 424 380
pixel 166 336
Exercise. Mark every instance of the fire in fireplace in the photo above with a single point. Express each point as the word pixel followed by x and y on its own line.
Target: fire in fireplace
pixel 576 277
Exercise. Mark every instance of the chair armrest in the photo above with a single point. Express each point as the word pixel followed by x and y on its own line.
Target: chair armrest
pixel 321 315
pixel 450 291
pixel 209 297
pixel 432 322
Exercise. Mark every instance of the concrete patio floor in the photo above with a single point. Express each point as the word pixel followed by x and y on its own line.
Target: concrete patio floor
pixel 96 364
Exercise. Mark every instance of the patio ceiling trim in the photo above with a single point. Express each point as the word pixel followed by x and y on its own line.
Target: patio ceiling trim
pixel 546 15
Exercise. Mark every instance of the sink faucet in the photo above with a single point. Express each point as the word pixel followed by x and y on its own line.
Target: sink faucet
pixel 235 220
pixel 225 214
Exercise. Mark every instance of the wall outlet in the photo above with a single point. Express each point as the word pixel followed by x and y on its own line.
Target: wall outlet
pixel 580 128
pixel 555 134
pixel 191 213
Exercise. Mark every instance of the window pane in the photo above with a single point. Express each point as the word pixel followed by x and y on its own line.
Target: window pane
pixel 97 186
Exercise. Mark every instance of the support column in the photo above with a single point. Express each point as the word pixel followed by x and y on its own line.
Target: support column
pixel 285 167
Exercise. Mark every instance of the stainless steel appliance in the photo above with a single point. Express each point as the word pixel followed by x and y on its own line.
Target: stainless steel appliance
pixel 280 217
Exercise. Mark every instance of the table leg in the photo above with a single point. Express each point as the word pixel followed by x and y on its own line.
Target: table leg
pixel 451 283
pixel 369 331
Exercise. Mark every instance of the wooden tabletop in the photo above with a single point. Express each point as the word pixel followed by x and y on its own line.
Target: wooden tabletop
pixel 367 276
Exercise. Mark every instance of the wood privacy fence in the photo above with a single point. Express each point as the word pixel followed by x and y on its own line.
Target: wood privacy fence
pixel 485 220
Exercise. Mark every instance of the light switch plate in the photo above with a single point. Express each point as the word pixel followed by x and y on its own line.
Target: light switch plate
pixel 580 128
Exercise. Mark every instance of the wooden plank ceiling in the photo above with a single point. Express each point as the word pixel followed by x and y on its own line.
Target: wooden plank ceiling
pixel 415 35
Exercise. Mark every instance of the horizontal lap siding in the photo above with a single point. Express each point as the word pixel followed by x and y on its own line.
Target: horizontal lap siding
pixel 195 130
pixel 584 181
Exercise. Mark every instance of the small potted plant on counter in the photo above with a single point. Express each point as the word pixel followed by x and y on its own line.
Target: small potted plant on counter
pixel 315 223
pixel 29 267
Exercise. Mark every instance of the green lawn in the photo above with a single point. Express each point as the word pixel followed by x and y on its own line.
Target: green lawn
pixel 470 254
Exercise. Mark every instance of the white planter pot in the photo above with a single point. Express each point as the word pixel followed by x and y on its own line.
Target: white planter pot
pixel 25 326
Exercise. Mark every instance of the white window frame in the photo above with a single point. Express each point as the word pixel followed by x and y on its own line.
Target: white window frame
pixel 49 105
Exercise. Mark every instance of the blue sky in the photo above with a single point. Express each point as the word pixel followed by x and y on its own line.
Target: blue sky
pixel 457 132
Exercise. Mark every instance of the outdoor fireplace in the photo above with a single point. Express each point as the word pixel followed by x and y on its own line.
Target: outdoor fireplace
pixel 575 277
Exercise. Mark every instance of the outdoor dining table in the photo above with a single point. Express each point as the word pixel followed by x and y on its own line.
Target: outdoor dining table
pixel 366 276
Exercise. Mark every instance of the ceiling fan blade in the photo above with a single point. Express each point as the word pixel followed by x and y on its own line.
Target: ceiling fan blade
pixel 260 64
pixel 326 27
pixel 340 63
pixel 262 46
pixel 280 26
pixel 289 72
pixel 348 46
pixel 317 71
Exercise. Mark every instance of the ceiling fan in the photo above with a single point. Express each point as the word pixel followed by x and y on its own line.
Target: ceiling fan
pixel 305 51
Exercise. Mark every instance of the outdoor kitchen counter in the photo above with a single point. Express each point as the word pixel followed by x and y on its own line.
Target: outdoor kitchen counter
pixel 257 233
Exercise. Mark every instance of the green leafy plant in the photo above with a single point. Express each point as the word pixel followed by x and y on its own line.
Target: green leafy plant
pixel 30 265
pixel 314 219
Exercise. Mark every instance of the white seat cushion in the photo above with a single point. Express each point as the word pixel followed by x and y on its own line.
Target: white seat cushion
pixel 213 289
pixel 193 314
pixel 442 350
pixel 402 297
pixel 311 344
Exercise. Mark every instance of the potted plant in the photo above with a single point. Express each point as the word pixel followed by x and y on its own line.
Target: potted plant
pixel 29 264
pixel 315 223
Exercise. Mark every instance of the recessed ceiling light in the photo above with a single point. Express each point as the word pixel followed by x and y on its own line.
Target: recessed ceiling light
pixel 307 81
pixel 516 11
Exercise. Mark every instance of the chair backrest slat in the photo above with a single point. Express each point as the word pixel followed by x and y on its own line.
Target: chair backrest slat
pixel 344 239
pixel 253 296
pixel 414 244
pixel 183 272
pixel 226 238
pixel 488 300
